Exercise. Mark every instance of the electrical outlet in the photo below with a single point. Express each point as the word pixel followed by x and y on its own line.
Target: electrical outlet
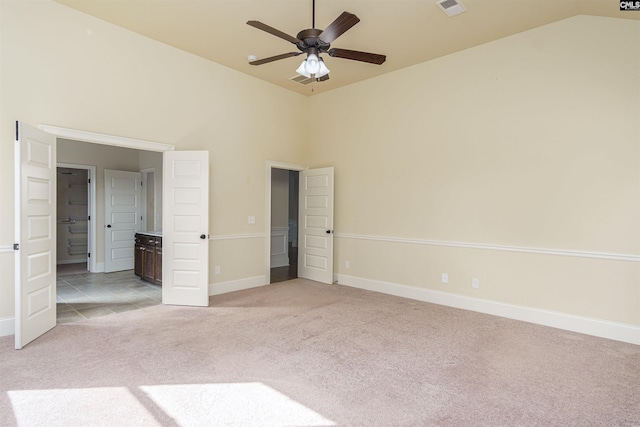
pixel 445 278
pixel 346 264
pixel 252 219
pixel 217 269
pixel 475 283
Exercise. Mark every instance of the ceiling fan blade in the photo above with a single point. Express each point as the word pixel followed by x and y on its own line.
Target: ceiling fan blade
pixel 323 78
pixel 274 58
pixel 372 58
pixel 264 27
pixel 338 27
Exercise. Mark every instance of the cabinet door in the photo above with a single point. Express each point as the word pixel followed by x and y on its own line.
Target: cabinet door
pixel 138 257
pixel 148 264
pixel 158 265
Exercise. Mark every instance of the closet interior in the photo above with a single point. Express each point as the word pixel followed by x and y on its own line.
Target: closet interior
pixel 72 216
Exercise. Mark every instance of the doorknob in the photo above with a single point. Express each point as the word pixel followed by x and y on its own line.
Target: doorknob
pixel 108 225
pixel 329 231
pixel 203 236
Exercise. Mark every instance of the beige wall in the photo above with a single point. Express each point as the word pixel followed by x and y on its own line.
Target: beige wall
pixel 279 198
pixel 65 68
pixel 153 160
pixel 532 141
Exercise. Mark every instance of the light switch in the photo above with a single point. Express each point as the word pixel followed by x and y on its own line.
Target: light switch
pixel 252 219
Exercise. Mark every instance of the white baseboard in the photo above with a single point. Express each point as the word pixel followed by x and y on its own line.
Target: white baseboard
pixel 585 325
pixel 7 326
pixel 236 285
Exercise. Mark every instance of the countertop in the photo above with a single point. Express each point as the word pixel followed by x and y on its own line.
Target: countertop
pixel 150 233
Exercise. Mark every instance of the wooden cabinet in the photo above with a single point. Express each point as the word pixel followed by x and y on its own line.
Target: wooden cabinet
pixel 158 275
pixel 137 258
pixel 148 257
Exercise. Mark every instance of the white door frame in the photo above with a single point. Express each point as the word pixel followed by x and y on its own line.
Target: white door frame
pixel 267 221
pixel 104 139
pixel 91 211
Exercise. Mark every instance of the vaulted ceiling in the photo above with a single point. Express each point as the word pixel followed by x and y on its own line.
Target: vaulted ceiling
pixel 406 31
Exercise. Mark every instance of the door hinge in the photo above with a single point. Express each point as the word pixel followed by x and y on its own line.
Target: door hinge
pixel 89 218
pixel 89 255
pixel 89 181
pixel 17 131
pixel 16 246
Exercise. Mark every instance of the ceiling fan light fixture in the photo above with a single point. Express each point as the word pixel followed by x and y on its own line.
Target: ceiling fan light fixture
pixel 302 69
pixel 323 71
pixel 312 64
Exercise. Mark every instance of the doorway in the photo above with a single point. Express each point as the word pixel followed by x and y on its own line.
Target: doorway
pixel 284 225
pixel 85 291
pixel 72 219
pixel 96 158
pixel 282 171
pixel 315 223
pixel 35 222
pixel 75 217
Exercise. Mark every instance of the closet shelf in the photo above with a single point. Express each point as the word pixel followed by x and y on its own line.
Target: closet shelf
pixel 76 251
pixel 77 242
pixel 77 229
pixel 71 220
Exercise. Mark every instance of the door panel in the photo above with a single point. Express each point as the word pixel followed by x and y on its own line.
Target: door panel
pixel 122 217
pixel 185 242
pixel 35 269
pixel 315 256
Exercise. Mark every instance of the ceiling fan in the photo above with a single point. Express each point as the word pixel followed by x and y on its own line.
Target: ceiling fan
pixel 313 42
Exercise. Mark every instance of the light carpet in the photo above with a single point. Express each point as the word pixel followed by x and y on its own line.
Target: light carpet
pixel 302 353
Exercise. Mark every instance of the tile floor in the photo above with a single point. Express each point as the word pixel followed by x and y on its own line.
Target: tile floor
pixel 82 295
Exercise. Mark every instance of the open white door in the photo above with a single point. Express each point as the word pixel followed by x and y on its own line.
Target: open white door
pixel 122 217
pixel 315 225
pixel 35 228
pixel 185 224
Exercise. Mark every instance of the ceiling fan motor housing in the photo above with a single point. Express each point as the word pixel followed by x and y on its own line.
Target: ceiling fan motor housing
pixel 310 38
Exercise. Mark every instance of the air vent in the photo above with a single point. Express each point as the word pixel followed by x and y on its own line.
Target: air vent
pixel 451 7
pixel 302 79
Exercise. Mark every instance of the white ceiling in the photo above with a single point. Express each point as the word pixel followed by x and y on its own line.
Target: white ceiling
pixel 406 31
